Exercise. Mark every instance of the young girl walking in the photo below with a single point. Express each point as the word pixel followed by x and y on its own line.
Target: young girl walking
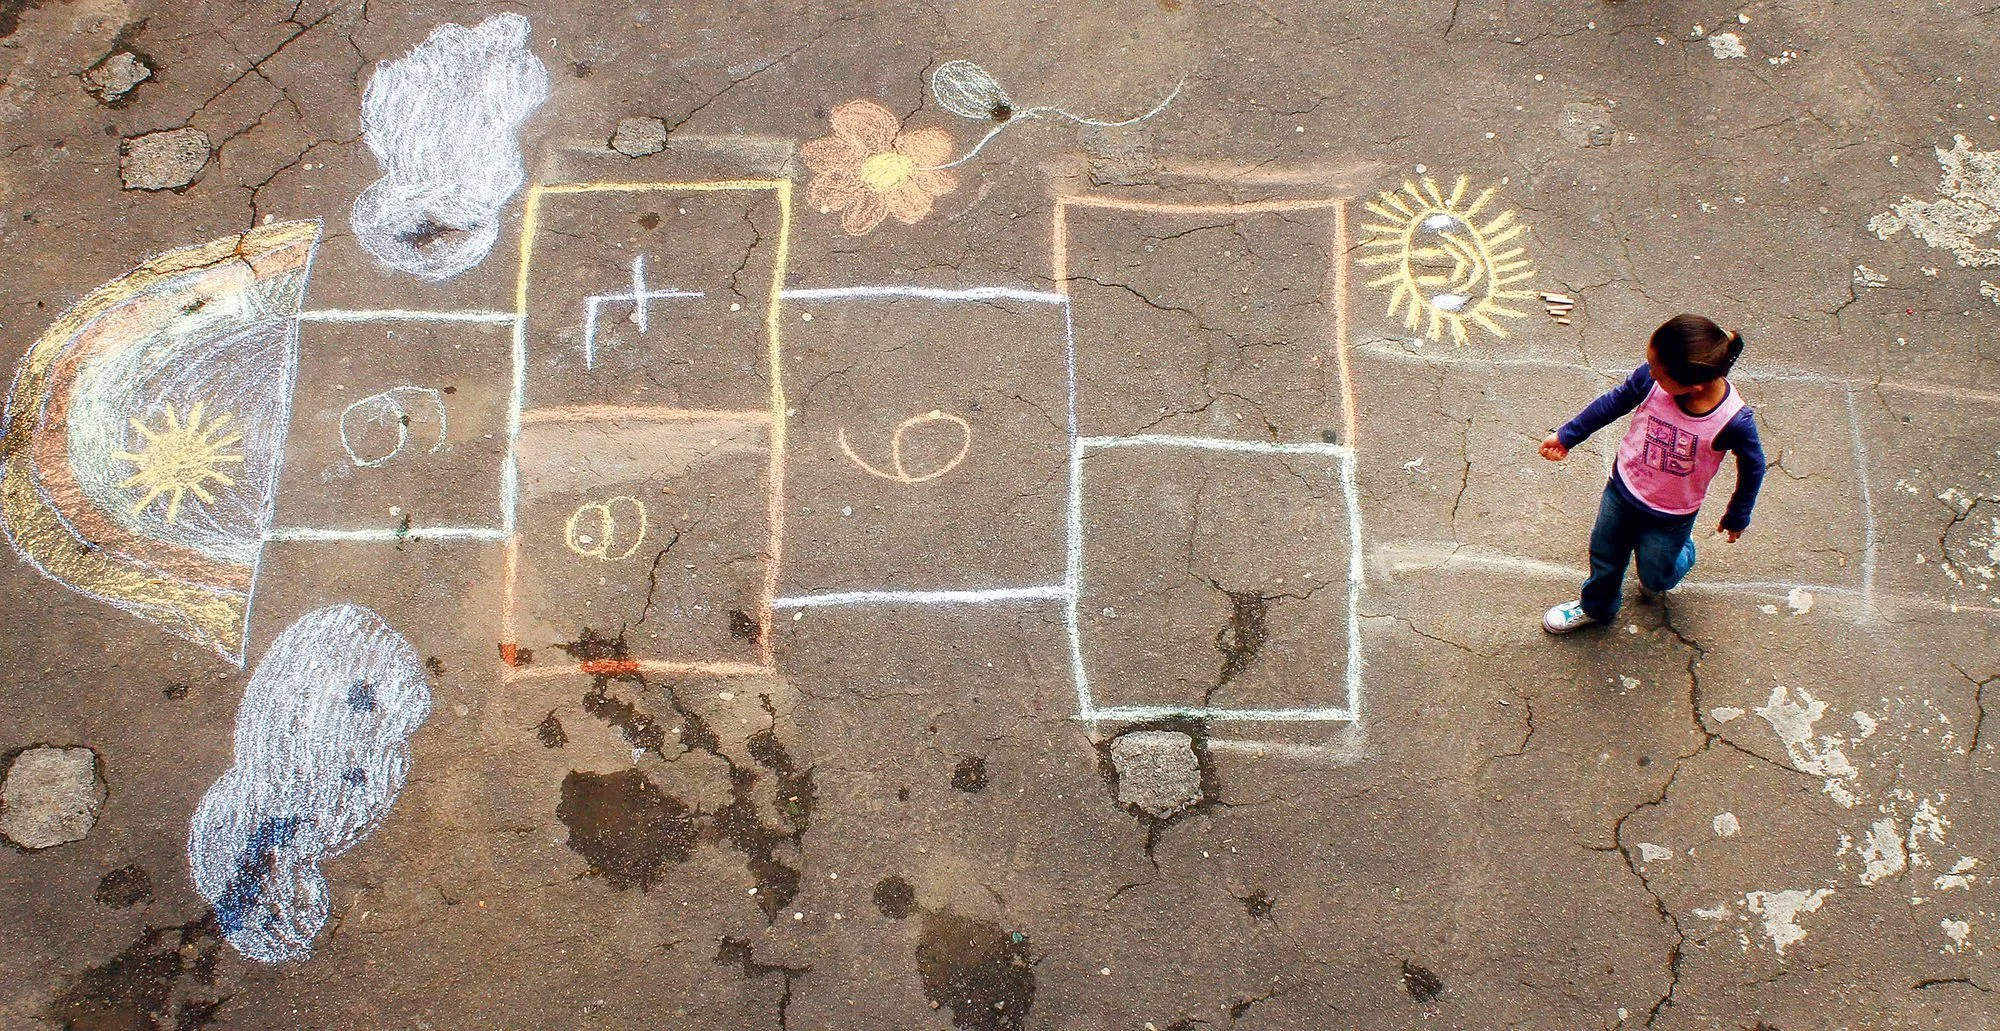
pixel 1687 415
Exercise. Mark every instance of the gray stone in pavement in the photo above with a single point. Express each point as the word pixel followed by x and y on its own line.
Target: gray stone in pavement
pixel 1157 771
pixel 51 796
pixel 638 137
pixel 163 160
pixel 110 79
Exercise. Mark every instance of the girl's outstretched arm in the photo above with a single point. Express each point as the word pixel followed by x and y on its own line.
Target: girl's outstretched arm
pixel 1618 401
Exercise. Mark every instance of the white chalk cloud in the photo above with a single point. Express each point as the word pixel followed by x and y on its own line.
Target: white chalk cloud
pixel 322 749
pixel 444 124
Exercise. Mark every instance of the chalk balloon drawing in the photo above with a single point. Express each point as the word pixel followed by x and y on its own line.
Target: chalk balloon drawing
pixel 969 91
pixel 1446 269
pixel 322 749
pixel 444 124
pixel 145 429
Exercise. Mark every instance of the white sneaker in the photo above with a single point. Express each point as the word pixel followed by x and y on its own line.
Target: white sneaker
pixel 1566 617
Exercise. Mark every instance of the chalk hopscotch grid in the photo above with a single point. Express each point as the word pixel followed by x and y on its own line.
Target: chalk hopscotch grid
pixel 1343 453
pixel 519 415
pixel 1069 592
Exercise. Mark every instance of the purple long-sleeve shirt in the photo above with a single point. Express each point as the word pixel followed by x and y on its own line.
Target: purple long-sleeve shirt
pixel 1739 435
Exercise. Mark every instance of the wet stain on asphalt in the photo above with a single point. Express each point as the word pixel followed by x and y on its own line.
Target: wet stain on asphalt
pixel 733 952
pixel 742 827
pixel 625 827
pixel 165 979
pixel 1423 985
pixel 1242 637
pixel 638 727
pixel 970 774
pixel 550 731
pixel 979 970
pixel 739 823
pixel 895 898
pixel 125 886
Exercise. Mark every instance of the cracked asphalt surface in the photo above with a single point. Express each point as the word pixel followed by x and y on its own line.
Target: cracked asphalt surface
pixel 1762 803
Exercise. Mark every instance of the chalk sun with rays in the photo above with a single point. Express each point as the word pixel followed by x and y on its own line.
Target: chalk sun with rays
pixel 1443 264
pixel 179 458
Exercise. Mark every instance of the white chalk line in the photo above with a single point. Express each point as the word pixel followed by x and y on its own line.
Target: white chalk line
pixel 1867 506
pixel 1779 375
pixel 928 293
pixel 1262 447
pixel 402 315
pixel 388 536
pixel 1136 713
pixel 1445 557
pixel 1073 522
pixel 985 596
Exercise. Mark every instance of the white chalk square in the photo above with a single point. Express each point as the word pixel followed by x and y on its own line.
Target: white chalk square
pixel 927 443
pixel 386 411
pixel 654 296
pixel 1246 347
pixel 1216 580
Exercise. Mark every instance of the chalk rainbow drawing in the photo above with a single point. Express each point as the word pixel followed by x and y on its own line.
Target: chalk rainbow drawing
pixel 1444 266
pixel 322 749
pixel 443 122
pixel 145 429
pixel 896 471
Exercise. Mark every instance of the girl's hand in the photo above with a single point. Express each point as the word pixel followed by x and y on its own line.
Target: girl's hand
pixel 1553 449
pixel 1733 535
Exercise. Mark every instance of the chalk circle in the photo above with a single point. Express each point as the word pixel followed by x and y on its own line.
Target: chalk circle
pixel 596 530
pixel 388 408
pixel 897 471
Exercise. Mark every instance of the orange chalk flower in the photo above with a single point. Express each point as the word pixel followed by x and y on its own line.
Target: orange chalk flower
pixel 870 169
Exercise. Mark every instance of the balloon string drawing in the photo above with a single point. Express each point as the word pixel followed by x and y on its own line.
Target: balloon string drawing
pixel 969 91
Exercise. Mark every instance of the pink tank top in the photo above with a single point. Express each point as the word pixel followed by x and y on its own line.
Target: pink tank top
pixel 1668 457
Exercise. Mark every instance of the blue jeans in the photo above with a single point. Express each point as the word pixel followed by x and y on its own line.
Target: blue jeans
pixel 1663 546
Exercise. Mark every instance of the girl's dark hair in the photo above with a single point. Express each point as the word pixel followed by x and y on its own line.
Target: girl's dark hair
pixel 1695 350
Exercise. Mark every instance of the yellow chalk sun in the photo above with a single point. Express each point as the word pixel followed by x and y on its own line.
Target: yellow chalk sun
pixel 179 458
pixel 1444 265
